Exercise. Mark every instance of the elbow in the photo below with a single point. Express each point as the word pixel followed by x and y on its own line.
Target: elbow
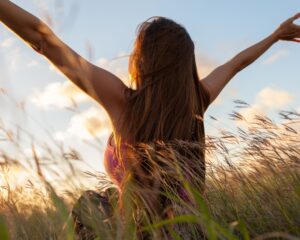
pixel 42 29
pixel 238 63
pixel 42 35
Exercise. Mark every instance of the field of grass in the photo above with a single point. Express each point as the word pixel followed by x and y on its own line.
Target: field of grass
pixel 252 192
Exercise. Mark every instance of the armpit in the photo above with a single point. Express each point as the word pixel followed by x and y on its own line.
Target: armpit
pixel 205 96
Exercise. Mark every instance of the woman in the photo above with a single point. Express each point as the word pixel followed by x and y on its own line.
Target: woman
pixel 169 99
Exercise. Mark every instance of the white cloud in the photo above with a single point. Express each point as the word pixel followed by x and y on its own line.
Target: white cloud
pixel 266 100
pixel 87 125
pixel 249 113
pixel 59 95
pixel 90 123
pixel 273 98
pixel 63 95
pixel 276 56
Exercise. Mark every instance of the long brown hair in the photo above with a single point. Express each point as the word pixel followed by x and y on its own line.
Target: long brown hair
pixel 165 103
pixel 168 99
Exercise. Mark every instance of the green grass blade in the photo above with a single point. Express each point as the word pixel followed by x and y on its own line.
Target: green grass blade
pixel 4 233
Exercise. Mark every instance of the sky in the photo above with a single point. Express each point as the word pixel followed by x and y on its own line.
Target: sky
pixel 34 96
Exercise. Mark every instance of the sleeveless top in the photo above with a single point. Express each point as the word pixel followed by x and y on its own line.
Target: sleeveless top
pixel 116 169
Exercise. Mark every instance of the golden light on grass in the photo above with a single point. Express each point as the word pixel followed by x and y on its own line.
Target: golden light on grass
pixel 16 177
pixel 247 168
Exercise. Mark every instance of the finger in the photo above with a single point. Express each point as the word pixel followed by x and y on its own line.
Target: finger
pixel 295 40
pixel 296 16
pixel 292 19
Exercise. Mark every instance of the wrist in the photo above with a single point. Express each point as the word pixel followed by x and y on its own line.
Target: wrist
pixel 275 36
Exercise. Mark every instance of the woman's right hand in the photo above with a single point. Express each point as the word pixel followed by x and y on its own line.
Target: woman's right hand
pixel 288 31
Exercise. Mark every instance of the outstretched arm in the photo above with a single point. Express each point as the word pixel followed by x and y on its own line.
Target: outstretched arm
pixel 218 78
pixel 100 84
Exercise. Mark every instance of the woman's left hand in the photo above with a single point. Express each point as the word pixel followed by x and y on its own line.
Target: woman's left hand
pixel 288 31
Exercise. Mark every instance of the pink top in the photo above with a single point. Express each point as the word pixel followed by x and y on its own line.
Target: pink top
pixel 116 169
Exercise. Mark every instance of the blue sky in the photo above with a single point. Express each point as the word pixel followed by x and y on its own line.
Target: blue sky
pixel 219 28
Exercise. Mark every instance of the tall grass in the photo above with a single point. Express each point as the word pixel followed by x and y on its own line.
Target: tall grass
pixel 252 190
